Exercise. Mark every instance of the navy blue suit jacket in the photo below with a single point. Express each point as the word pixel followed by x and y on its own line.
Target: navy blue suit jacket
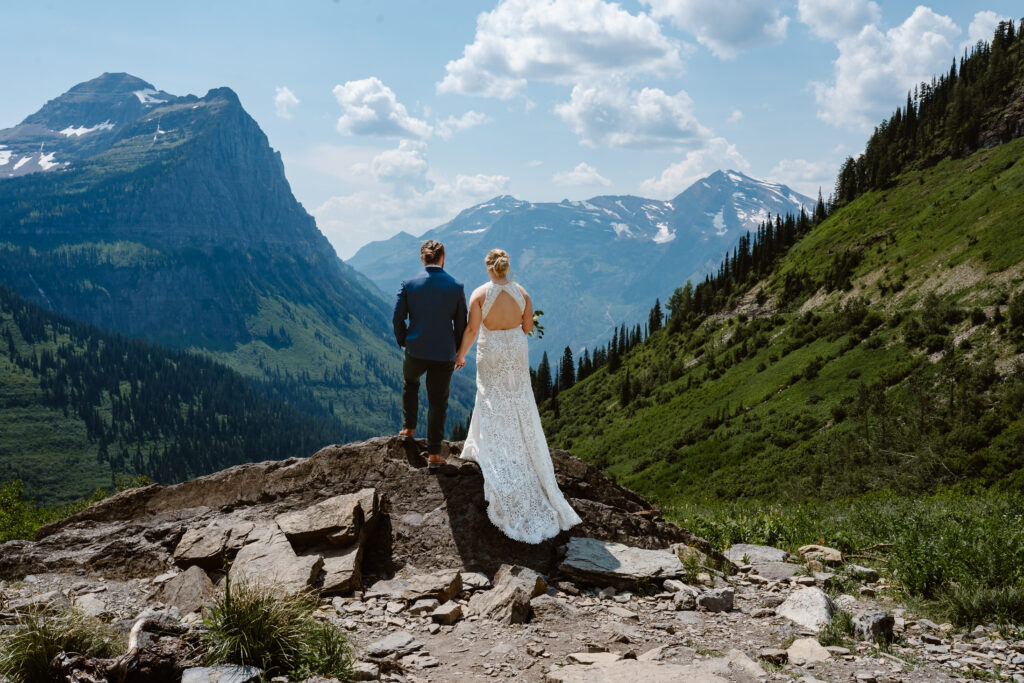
pixel 435 304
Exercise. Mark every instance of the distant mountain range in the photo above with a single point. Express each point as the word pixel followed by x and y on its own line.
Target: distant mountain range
pixel 170 218
pixel 593 265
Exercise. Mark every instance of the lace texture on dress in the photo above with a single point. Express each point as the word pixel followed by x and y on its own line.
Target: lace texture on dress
pixel 506 438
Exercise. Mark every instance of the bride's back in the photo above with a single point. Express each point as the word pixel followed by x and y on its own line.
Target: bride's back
pixel 505 313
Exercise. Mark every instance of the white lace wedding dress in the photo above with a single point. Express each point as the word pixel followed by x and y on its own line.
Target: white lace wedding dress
pixel 506 439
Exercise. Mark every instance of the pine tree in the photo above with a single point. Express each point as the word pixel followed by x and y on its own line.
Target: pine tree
pixel 567 372
pixel 542 385
pixel 625 391
pixel 655 318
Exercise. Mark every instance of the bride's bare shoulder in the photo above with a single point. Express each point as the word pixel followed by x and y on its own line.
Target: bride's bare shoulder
pixel 479 292
pixel 523 290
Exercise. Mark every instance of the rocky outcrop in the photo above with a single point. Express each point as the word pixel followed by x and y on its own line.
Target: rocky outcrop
pixel 292 518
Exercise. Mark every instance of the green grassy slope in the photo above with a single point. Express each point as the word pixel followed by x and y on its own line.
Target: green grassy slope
pixel 816 393
pixel 79 408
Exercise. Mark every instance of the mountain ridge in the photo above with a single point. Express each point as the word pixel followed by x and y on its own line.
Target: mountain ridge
pixel 581 260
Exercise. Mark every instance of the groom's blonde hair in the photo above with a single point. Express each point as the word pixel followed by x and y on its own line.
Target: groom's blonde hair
pixel 497 261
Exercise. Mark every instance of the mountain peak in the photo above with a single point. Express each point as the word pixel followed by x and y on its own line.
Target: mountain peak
pixel 112 98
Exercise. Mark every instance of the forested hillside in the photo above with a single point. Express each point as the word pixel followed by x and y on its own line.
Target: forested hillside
pixel 81 407
pixel 880 349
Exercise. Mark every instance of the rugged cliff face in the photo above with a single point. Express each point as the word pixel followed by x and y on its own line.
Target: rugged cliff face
pixel 170 218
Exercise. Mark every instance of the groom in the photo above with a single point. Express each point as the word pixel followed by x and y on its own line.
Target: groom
pixel 435 304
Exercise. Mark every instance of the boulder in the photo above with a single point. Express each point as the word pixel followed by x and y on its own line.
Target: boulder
pixel 774 655
pixel 593 657
pixel 365 671
pixel 447 614
pixel 424 606
pixel 546 607
pixel 342 568
pixel 509 600
pixel 91 605
pixel 268 560
pixel 716 600
pixel 807 651
pixel 211 545
pixel 776 571
pixel 821 553
pixel 862 573
pixel 399 643
pixel 338 519
pixel 441 586
pixel 597 562
pixel 874 625
pixel 188 591
pixel 224 673
pixel 746 553
pixel 809 607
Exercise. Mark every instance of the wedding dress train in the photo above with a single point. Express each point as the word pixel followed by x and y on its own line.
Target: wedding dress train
pixel 506 439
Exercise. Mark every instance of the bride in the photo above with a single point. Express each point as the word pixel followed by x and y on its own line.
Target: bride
pixel 505 434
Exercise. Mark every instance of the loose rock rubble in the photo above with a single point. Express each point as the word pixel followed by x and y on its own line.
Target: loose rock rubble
pixel 564 618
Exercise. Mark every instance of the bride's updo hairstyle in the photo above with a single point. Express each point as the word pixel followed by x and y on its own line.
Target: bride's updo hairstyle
pixel 497 262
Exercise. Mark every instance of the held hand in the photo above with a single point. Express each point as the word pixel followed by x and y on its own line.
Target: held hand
pixel 460 362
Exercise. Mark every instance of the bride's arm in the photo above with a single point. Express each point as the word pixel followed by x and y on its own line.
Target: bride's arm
pixel 472 327
pixel 527 312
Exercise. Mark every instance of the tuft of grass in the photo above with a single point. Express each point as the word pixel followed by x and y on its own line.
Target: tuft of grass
pixel 253 626
pixel 38 637
pixel 838 631
pixel 972 604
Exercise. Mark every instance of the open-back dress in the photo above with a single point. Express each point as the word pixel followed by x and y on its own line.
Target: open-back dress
pixel 506 439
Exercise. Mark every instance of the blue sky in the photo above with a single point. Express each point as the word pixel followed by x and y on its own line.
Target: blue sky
pixel 396 115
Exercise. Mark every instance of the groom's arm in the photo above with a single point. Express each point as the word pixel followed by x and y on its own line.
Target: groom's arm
pixel 459 320
pixel 399 316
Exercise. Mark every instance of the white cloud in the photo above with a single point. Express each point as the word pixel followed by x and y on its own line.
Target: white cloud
pixel 368 107
pixel 726 27
pixel 612 115
pixel 534 163
pixel 718 154
pixel 394 190
pixel 735 116
pixel 806 177
pixel 982 27
pixel 558 41
pixel 284 101
pixel 835 19
pixel 405 167
pixel 451 125
pixel 583 175
pixel 875 70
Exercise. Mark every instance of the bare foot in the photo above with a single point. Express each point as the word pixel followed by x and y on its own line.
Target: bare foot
pixel 406 432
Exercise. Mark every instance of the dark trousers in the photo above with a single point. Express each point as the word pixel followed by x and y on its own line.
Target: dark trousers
pixel 439 376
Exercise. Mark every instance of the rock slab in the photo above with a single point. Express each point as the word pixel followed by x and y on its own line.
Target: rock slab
pixel 596 562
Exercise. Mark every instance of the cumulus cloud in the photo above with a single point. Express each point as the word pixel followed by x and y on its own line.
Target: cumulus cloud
pixel 583 175
pixel 451 125
pixel 835 19
pixel 718 154
pixel 735 116
pixel 395 190
pixel 368 107
pixel 284 101
pixel 558 41
pixel 612 115
pixel 982 27
pixel 726 27
pixel 806 177
pixel 875 70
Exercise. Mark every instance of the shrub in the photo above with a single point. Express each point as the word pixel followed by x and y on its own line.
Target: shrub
pixel 253 626
pixel 38 637
pixel 970 605
pixel 837 630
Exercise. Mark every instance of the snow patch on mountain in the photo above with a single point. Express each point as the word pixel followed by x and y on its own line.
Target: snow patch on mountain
pixel 46 161
pixel 146 96
pixel 78 131
pixel 718 223
pixel 665 234
pixel 21 162
pixel 5 155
